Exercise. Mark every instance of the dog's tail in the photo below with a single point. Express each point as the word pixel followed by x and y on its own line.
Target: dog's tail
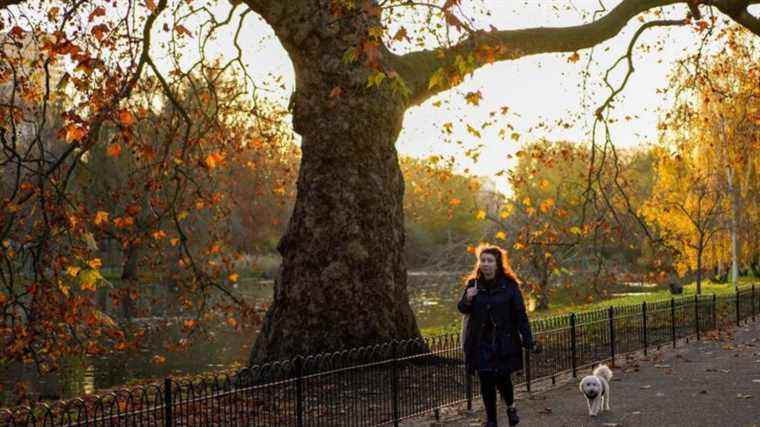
pixel 604 372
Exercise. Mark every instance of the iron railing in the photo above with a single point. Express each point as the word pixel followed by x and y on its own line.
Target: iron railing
pixel 387 383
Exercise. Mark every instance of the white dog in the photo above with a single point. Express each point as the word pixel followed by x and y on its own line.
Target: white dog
pixel 596 389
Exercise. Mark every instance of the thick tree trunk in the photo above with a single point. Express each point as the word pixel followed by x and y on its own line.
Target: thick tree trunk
pixel 342 282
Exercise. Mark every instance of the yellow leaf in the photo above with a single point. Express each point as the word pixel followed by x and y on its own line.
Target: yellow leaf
pixel 231 322
pixel 575 230
pixel 526 201
pixel 455 202
pixel 481 215
pixel 233 277
pixel 544 184
pixel 501 235
pixel 518 246
pixel 158 360
pixel 88 280
pixel 72 270
pixel 100 217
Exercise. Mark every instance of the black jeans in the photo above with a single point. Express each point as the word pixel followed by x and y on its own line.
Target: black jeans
pixel 489 383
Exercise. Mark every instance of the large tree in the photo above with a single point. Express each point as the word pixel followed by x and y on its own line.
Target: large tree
pixel 343 279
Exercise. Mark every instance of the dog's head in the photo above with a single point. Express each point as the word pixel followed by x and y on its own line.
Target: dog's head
pixel 591 387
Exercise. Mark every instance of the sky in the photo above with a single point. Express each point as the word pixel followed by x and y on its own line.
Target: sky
pixel 538 89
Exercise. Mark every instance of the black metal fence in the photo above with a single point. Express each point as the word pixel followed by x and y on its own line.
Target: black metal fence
pixel 386 383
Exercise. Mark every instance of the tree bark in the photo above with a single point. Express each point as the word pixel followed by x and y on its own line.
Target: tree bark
pixel 342 282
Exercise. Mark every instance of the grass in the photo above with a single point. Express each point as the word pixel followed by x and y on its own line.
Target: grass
pixel 562 301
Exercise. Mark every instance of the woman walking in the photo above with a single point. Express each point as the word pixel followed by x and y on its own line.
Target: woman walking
pixel 496 331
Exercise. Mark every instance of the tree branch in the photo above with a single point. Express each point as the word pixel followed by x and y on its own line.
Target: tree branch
pixel 418 68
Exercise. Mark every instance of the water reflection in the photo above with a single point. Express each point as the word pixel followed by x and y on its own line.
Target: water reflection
pixel 433 297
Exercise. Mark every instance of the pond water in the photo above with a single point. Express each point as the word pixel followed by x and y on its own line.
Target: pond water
pixel 433 298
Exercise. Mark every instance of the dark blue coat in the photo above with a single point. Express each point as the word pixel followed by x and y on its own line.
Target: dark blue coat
pixel 504 305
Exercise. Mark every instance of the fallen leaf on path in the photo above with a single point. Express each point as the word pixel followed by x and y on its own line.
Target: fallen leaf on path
pixel 646 387
pixel 725 371
pixel 743 396
pixel 756 381
pixel 660 394
pixel 545 411
pixel 664 365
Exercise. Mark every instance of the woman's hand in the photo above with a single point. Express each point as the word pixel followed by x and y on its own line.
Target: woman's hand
pixel 471 292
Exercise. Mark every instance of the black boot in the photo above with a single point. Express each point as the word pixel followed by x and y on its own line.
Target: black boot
pixel 512 416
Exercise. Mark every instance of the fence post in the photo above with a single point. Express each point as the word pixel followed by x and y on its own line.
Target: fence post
pixel 738 319
pixel 673 320
pixel 611 315
pixel 644 325
pixel 168 418
pixel 696 314
pixel 394 384
pixel 715 312
pixel 573 344
pixel 298 362
pixel 527 369
pixel 754 310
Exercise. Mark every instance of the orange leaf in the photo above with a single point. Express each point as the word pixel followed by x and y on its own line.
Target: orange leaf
pixel 151 4
pixel 231 322
pixel 100 217
pixel 114 150
pixel 182 30
pixel 95 263
pixel 158 360
pixel 213 160
pixel 574 57
pixel 126 118
pixel 74 132
pixel 233 277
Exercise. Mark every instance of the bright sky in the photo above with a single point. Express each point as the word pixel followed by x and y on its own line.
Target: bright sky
pixel 538 89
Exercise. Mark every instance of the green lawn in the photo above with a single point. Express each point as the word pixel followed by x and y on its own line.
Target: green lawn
pixel 562 301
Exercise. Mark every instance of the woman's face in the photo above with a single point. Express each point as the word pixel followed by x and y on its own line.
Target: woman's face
pixel 488 265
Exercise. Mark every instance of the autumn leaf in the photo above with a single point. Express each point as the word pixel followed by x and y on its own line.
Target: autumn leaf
pixel 336 92
pixel 88 280
pixel 233 277
pixel 151 5
pixel 126 118
pixel 501 235
pixel 455 202
pixel 114 150
pixel 72 270
pixel 98 11
pixel 518 246
pixel 574 57
pixel 158 360
pixel 100 217
pixel 159 234
pixel 74 132
pixel 575 230
pixel 400 34
pixel 189 323
pixel 474 97
pixel 546 205
pixel 231 322
pixel 95 263
pixel 99 31
pixel 174 241
pixel 214 159
pixel 480 215
pixel 182 31
pixel 471 249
